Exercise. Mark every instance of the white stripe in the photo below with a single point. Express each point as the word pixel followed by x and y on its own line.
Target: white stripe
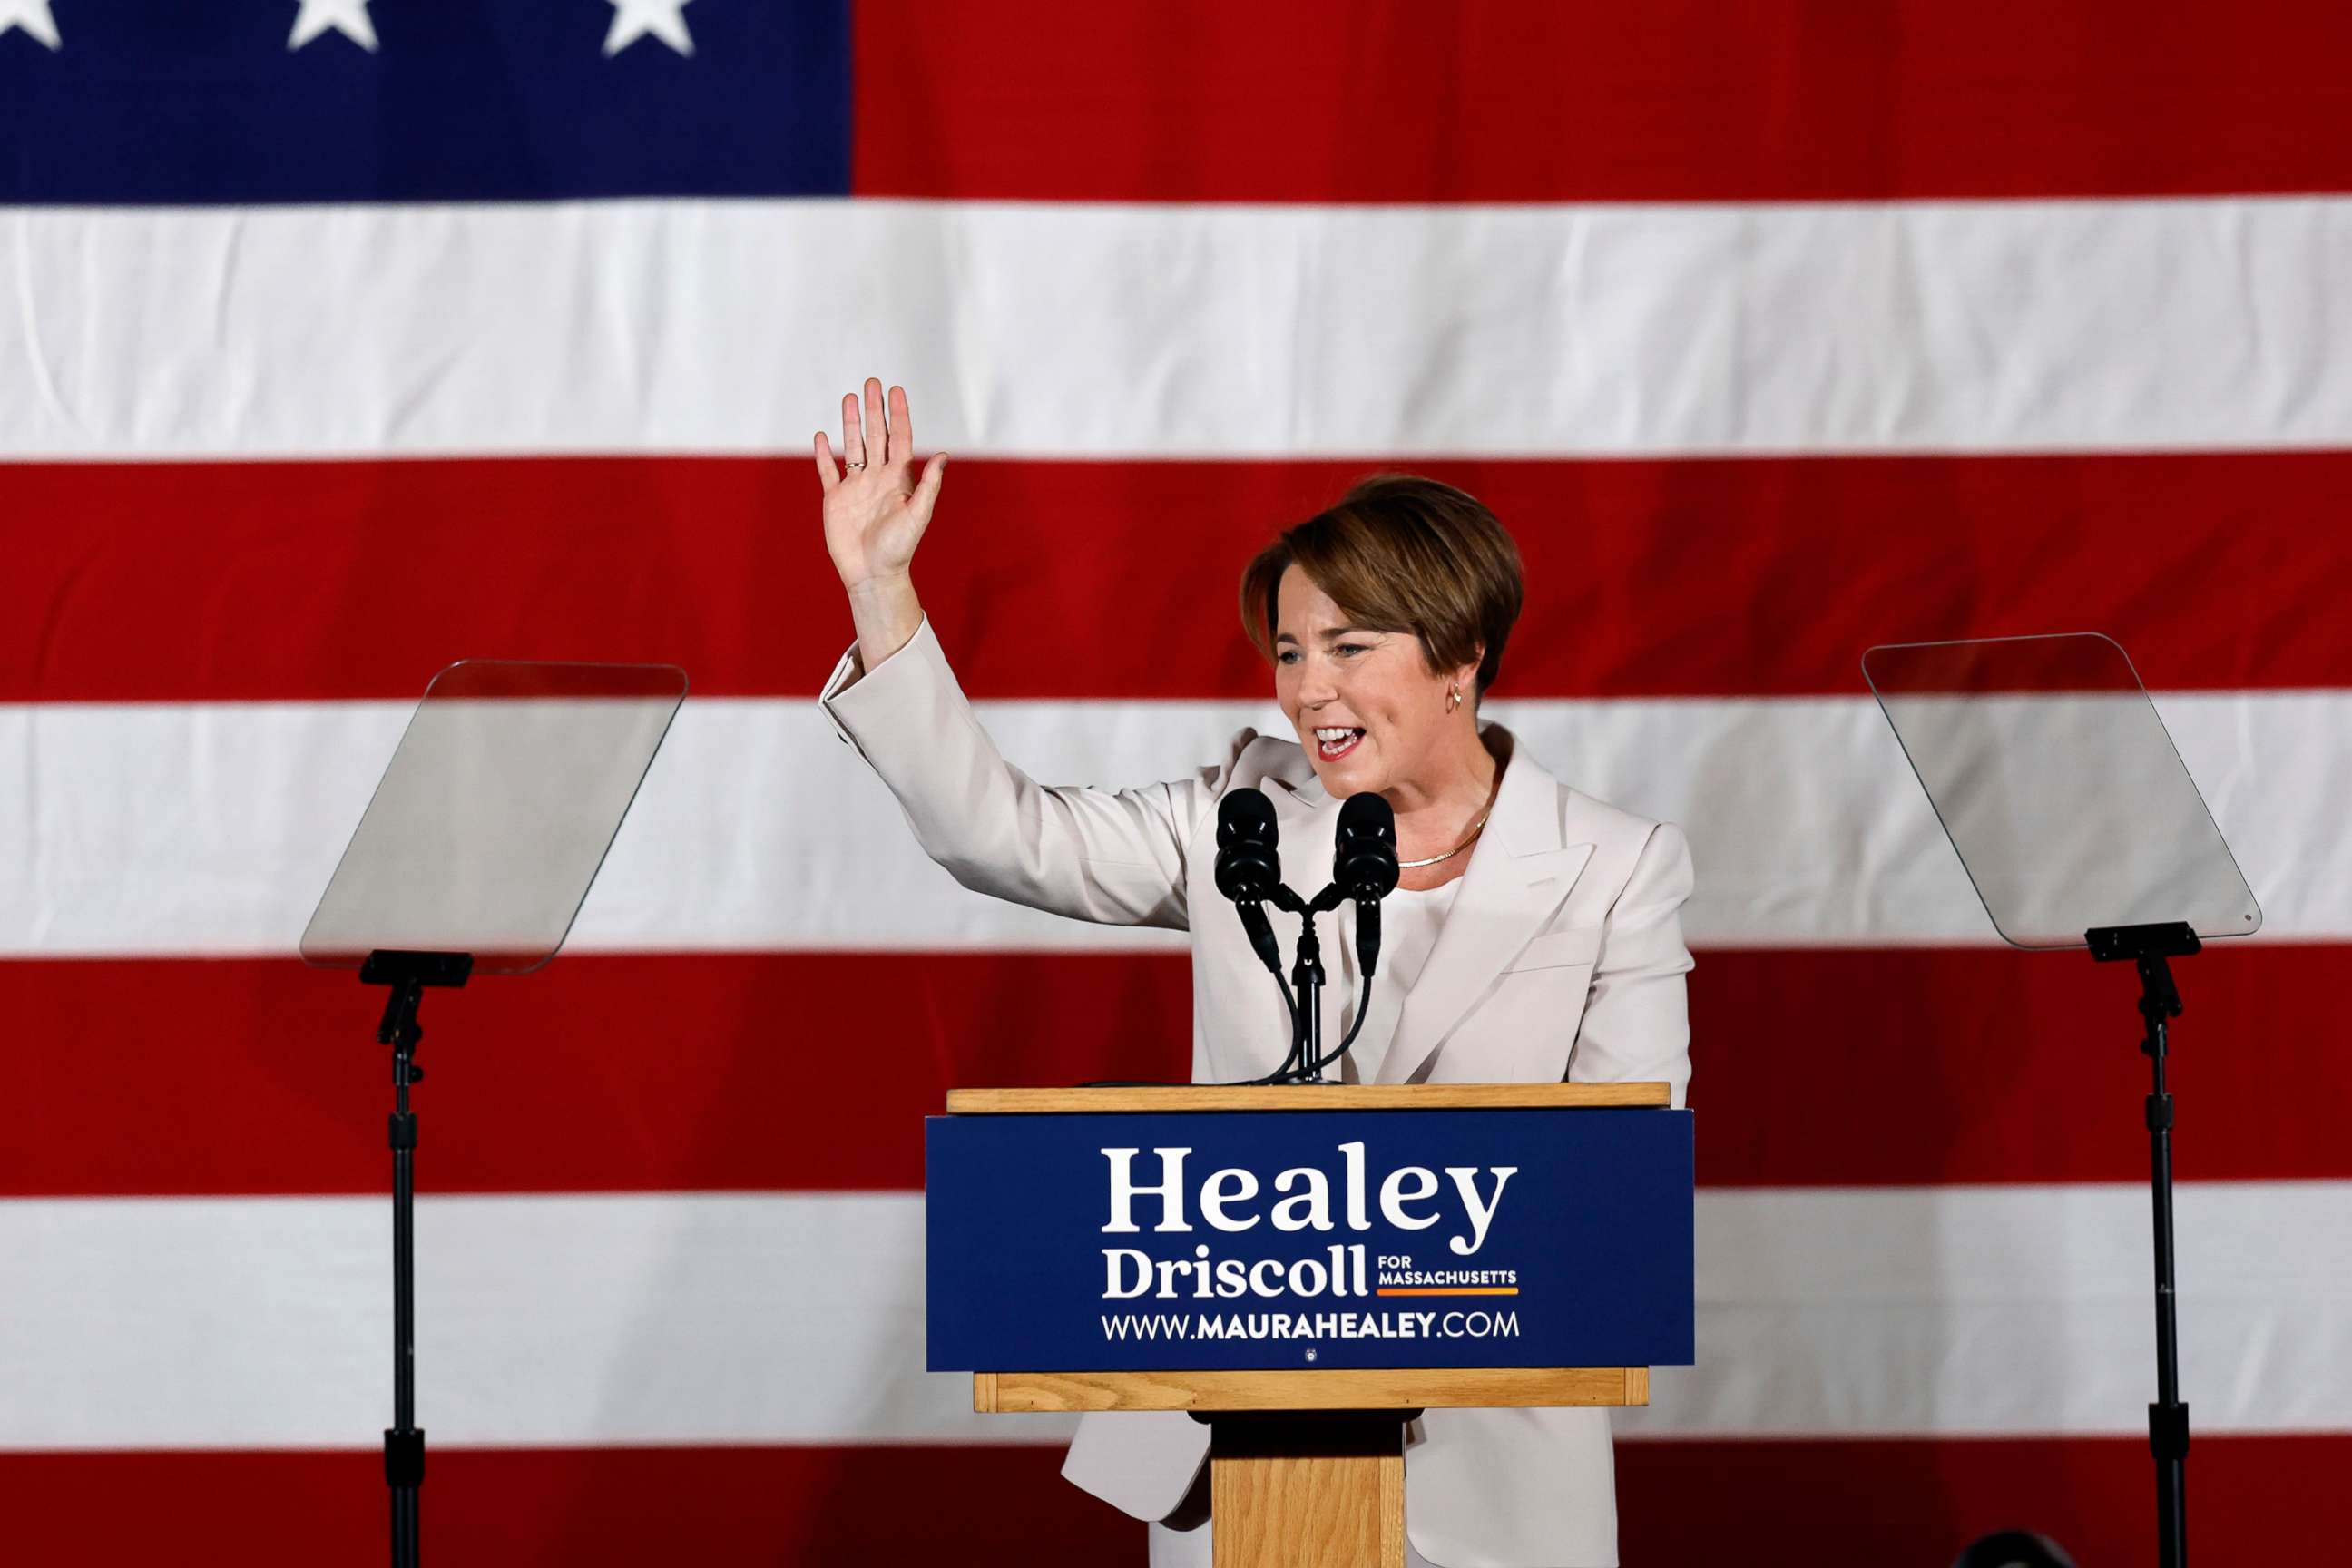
pixel 211 829
pixel 262 1322
pixel 1978 1309
pixel 1169 330
pixel 726 1318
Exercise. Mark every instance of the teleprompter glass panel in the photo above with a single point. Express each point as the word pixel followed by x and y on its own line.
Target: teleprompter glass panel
pixel 495 812
pixel 2060 787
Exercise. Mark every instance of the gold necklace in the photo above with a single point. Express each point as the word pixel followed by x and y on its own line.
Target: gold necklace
pixel 1450 854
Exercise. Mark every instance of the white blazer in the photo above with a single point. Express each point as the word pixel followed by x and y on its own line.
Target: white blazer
pixel 1561 957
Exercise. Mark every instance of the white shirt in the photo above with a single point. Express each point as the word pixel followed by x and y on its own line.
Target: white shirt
pixel 1410 922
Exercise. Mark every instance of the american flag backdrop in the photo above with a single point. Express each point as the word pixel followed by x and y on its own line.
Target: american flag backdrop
pixel 339 339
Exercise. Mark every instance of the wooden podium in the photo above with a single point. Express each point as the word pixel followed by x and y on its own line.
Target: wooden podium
pixel 1307 1464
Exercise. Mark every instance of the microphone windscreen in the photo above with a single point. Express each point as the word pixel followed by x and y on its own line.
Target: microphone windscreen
pixel 1364 854
pixel 1248 863
pixel 1245 812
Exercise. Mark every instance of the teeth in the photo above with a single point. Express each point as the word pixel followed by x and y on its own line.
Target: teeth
pixel 1332 737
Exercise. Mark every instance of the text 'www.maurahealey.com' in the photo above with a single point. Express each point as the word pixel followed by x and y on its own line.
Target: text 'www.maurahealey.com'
pixel 1475 1323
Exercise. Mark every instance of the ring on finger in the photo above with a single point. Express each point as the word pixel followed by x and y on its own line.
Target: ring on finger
pixel 859 464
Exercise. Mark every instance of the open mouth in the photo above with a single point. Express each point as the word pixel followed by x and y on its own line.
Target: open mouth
pixel 1333 743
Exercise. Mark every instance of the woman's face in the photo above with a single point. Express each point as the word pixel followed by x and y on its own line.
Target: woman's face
pixel 1367 706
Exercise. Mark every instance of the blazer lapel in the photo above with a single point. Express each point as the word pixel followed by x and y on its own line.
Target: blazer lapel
pixel 1520 872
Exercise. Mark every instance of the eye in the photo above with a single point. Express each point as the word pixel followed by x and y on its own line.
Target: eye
pixel 1287 656
pixel 1352 648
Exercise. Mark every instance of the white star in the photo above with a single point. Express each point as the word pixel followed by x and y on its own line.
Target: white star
pixel 33 15
pixel 349 17
pixel 632 19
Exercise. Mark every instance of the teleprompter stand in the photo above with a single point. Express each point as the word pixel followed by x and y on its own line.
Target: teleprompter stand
pixel 406 974
pixel 2149 947
pixel 2052 775
pixel 473 857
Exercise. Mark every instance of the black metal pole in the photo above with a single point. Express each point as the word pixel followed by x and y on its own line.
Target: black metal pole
pixel 1295 1065
pixel 403 1442
pixel 2167 1418
pixel 406 974
pixel 1307 982
pixel 2148 948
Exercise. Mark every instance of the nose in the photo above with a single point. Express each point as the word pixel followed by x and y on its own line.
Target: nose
pixel 1316 687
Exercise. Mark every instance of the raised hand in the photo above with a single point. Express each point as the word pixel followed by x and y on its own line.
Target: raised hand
pixel 875 515
pixel 875 508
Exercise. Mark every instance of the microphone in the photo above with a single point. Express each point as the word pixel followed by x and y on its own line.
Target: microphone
pixel 1364 864
pixel 1249 868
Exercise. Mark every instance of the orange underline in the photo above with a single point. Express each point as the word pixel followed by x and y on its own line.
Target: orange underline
pixel 1447 1290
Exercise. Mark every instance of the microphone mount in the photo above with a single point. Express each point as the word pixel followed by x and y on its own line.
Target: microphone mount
pixel 1305 1061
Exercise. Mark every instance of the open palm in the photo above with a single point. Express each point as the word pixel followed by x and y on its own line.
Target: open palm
pixel 875 509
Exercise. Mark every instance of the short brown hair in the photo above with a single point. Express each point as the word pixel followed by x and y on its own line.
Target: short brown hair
pixel 1401 553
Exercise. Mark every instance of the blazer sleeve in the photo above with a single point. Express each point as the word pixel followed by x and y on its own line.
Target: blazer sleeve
pixel 1117 856
pixel 1636 1024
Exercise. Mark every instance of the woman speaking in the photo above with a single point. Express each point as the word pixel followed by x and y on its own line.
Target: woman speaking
pixel 1535 934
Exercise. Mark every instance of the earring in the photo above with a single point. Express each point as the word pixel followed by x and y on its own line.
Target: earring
pixel 1453 698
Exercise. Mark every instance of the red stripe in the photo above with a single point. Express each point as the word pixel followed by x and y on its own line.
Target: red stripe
pixel 1765 1504
pixel 966 1507
pixel 1901 1067
pixel 755 1071
pixel 1381 101
pixel 1892 1501
pixel 803 1071
pixel 181 582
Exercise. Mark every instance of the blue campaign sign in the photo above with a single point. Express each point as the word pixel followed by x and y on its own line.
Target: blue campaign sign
pixel 1127 1242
